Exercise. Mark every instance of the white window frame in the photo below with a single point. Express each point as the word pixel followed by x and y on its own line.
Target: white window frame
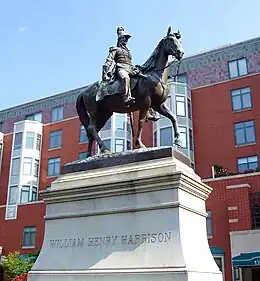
pixel 20 144
pixel 17 194
pixel 19 167
pixel 26 188
pixel 29 161
pixel 32 136
pixel 36 161
pixel 119 143
pixel 180 101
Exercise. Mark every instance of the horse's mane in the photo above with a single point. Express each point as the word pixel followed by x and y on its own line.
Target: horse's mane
pixel 150 63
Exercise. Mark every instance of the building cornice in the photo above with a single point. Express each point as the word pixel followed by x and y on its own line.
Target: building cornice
pixel 39 105
pixel 225 53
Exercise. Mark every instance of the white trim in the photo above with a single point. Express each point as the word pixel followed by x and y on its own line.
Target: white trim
pixel 232 220
pixel 232 208
pixel 28 247
pixel 231 177
pixel 238 186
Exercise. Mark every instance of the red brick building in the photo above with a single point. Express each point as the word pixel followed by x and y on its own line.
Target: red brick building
pixel 217 105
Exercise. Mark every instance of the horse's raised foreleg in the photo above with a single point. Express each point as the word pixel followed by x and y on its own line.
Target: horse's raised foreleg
pixel 142 118
pixel 165 111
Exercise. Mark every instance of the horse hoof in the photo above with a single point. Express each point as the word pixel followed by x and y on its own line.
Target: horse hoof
pixel 140 146
pixel 178 142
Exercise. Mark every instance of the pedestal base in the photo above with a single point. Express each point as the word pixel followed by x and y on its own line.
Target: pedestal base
pixel 144 220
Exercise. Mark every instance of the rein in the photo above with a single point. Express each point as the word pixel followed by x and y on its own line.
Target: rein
pixel 156 70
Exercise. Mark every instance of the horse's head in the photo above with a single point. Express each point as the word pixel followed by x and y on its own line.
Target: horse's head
pixel 173 45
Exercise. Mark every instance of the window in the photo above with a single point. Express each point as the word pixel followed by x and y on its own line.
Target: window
pixel 53 167
pixel 241 99
pixel 180 106
pixel 83 135
pixel 57 114
pixel 25 194
pixel 36 168
pixel 255 209
pixel 166 138
pixel 29 144
pixel 189 109
pixel 168 102
pixel 155 139
pixel 128 124
pixel 237 68
pixel 1 126
pixel 237 274
pixel 107 126
pixel 120 121
pixel 82 155
pixel 38 142
pixel 27 166
pixel 247 163
pixel 128 144
pixel 13 194
pixel 209 224
pixel 219 262
pixel 191 139
pixel 55 139
pixel 245 132
pixel 107 144
pixel 35 117
pixel 28 194
pixel 15 167
pixel 34 194
pixel 29 237
pixel 183 136
pixel 181 78
pixel 18 138
pixel 119 145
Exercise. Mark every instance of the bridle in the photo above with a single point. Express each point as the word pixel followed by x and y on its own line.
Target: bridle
pixel 162 83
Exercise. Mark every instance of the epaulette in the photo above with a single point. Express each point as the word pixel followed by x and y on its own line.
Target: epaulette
pixel 113 48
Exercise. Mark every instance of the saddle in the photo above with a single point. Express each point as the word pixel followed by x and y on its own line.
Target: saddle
pixel 114 87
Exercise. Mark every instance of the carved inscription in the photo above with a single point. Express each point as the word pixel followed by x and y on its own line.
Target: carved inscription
pixel 67 243
pixel 98 241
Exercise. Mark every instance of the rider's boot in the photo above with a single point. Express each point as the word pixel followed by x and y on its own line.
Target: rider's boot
pixel 127 92
pixel 152 115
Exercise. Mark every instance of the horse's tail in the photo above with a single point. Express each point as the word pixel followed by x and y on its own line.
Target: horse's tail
pixel 85 99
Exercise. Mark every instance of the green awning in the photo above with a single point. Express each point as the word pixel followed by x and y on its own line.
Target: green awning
pixel 247 260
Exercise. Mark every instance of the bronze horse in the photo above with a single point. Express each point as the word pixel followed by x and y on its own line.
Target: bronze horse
pixel 149 92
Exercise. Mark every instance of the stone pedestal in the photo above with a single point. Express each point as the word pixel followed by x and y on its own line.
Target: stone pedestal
pixel 139 216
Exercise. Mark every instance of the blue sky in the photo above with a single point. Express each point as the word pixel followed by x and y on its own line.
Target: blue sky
pixel 51 46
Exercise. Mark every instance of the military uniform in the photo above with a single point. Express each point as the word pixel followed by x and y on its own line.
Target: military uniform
pixel 119 63
pixel 120 56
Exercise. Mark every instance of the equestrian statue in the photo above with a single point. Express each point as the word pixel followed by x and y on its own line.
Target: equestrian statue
pixel 126 88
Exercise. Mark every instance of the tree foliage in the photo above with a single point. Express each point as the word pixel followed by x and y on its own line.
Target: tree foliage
pixel 14 266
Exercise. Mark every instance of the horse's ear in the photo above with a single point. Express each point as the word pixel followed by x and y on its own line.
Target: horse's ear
pixel 169 30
